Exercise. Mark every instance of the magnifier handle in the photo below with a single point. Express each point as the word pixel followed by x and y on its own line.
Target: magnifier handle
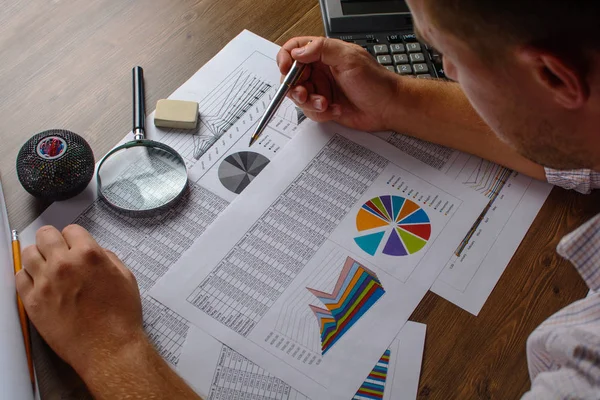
pixel 139 104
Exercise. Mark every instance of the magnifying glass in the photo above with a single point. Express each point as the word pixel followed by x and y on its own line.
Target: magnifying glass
pixel 141 178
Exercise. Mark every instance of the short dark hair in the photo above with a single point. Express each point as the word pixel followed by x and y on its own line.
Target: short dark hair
pixel 546 23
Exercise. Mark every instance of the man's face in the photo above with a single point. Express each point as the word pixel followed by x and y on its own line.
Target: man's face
pixel 506 96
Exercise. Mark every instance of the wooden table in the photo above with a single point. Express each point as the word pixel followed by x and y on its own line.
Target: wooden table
pixel 66 64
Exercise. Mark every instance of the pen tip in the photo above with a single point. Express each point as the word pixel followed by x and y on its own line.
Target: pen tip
pixel 252 139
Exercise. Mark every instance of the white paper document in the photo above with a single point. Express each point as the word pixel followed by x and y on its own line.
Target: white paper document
pixel 316 267
pixel 217 372
pixel 342 216
pixel 233 90
pixel 404 366
pixel 14 373
pixel 513 203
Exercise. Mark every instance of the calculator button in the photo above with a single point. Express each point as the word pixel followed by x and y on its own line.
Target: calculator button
pixel 400 58
pixel 394 39
pixel 390 68
pixel 410 37
pixel 424 76
pixel 421 68
pixel 380 49
pixel 413 47
pixel 384 60
pixel 417 57
pixel 404 69
pixel 436 57
pixel 439 71
pixel 397 48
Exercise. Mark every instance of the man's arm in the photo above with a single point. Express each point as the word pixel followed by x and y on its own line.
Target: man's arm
pixel 344 84
pixel 439 112
pixel 137 372
pixel 86 305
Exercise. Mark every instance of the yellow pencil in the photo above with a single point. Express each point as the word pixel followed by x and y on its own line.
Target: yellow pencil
pixel 16 248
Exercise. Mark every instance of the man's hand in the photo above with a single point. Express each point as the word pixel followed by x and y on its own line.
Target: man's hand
pixel 80 297
pixel 342 83
pixel 86 305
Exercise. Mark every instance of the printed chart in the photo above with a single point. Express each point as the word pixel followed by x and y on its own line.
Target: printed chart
pixel 236 96
pixel 250 290
pixel 356 290
pixel 239 169
pixel 219 111
pixel 230 106
pixel 513 201
pixel 287 117
pixel 226 374
pixel 400 224
pixel 488 179
pixel 374 386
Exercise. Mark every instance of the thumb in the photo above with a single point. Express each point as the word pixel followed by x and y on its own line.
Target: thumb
pixel 331 52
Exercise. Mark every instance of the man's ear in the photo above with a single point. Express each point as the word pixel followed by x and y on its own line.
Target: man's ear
pixel 563 80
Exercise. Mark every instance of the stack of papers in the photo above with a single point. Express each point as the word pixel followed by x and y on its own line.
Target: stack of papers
pixel 292 267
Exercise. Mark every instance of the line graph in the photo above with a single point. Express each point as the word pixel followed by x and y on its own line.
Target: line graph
pixel 233 99
pixel 226 104
pixel 228 110
pixel 489 180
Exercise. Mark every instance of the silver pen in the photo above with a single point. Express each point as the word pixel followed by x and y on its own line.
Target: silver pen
pixel 289 82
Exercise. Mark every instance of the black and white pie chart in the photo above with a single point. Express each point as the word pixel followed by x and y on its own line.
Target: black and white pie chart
pixel 239 169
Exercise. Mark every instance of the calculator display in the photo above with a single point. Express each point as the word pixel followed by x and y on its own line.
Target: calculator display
pixel 357 7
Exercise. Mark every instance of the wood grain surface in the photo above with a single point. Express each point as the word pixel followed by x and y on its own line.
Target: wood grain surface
pixel 66 64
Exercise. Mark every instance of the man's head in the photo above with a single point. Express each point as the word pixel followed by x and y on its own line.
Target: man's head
pixel 531 68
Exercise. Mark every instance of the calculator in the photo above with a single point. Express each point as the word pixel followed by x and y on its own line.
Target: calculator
pixel 384 28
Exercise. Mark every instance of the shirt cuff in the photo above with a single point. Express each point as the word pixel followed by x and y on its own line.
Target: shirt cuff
pixel 580 180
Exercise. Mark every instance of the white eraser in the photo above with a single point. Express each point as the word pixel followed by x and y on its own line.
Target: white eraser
pixel 176 114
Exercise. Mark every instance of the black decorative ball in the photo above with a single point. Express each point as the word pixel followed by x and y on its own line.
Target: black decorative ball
pixel 55 165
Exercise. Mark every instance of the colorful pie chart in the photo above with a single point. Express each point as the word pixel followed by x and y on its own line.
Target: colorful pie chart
pixel 392 225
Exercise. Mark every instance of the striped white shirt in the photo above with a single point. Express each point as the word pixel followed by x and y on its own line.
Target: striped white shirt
pixel 563 353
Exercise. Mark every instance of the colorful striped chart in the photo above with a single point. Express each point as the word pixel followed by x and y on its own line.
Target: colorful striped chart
pixel 374 385
pixel 356 290
pixel 400 223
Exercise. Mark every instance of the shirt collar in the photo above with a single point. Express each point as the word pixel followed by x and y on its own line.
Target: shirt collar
pixel 582 248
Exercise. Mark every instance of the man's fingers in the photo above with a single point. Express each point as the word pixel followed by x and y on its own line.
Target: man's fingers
pixel 76 236
pixel 114 258
pixel 306 73
pixel 316 103
pixel 322 85
pixel 284 59
pixel 284 62
pixel 24 283
pixel 299 41
pixel 331 114
pixel 331 52
pixel 50 241
pixel 299 95
pixel 117 261
pixel 32 260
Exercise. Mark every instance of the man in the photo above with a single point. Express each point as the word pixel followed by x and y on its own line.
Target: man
pixel 528 94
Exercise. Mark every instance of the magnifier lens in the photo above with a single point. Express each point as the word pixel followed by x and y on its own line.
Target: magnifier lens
pixel 141 178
